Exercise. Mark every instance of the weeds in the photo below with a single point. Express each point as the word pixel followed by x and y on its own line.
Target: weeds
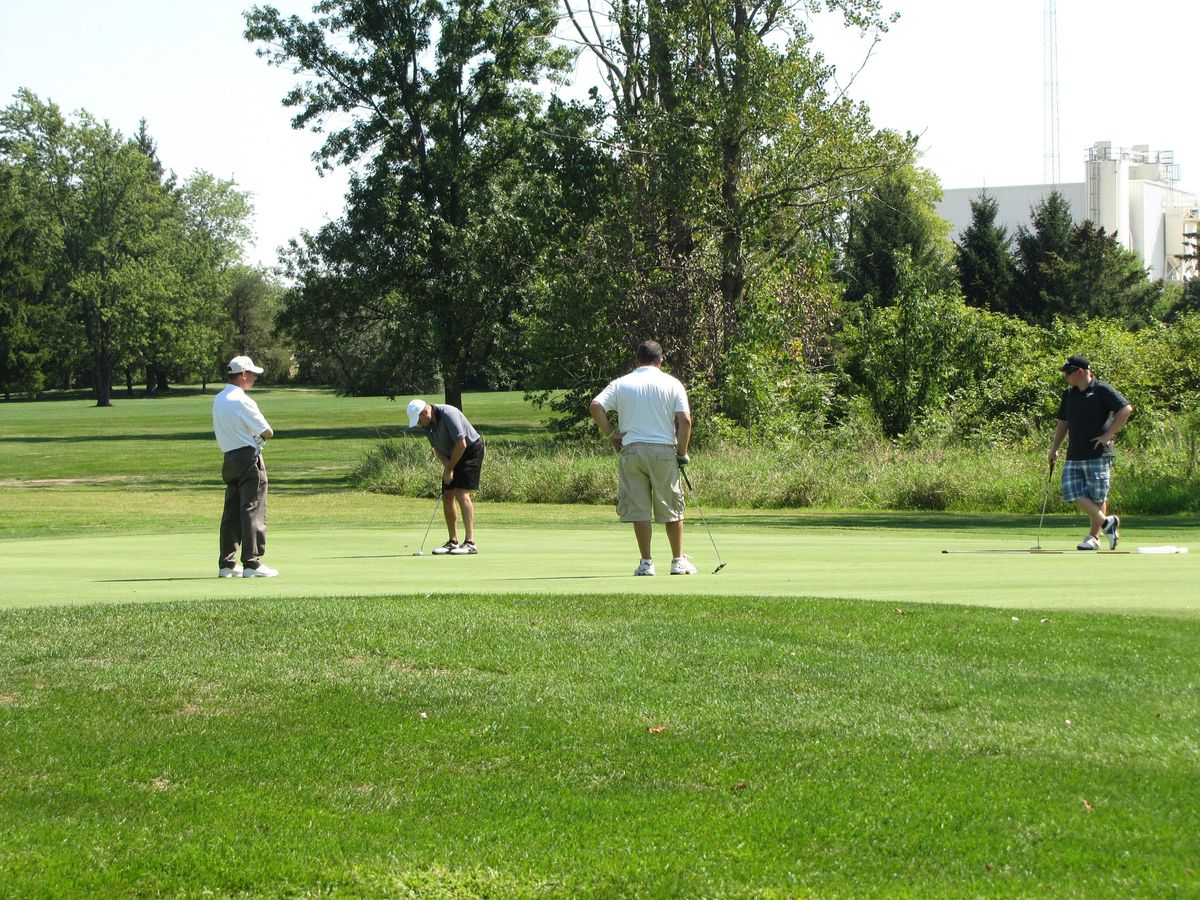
pixel 826 472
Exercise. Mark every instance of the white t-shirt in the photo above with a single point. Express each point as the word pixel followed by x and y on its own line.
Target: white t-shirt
pixel 646 401
pixel 237 422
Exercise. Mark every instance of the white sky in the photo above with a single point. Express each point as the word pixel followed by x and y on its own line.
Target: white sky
pixel 965 74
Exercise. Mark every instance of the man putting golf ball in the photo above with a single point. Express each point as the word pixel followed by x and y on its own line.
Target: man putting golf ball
pixel 460 448
pixel 1091 412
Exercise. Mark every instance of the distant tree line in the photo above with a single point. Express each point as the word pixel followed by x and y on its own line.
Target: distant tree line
pixel 112 270
pixel 716 190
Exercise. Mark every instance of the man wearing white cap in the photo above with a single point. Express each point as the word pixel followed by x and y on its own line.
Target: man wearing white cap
pixel 241 431
pixel 460 448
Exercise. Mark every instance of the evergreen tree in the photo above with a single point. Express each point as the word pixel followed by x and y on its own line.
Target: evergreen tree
pixel 1041 253
pixel 1101 278
pixel 984 257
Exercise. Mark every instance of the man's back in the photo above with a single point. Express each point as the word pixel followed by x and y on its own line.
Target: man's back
pixel 646 401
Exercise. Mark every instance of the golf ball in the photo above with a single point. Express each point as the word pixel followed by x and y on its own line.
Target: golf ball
pixel 418 553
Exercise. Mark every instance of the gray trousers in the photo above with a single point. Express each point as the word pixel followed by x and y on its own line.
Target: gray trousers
pixel 244 519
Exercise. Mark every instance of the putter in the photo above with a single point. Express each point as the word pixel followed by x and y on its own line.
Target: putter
pixel 421 552
pixel 688 482
pixel 1045 497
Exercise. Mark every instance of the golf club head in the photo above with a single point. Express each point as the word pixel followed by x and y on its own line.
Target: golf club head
pixel 718 568
pixel 418 553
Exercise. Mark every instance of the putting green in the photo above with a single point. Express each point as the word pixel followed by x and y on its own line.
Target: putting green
pixel 792 556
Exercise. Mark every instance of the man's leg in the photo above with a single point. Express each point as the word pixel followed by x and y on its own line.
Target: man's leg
pixel 252 491
pixel 231 526
pixel 1094 512
pixel 450 514
pixel 675 536
pixel 468 513
pixel 643 532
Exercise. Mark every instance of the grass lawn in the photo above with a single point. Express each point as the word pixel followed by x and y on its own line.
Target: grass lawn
pixel 842 711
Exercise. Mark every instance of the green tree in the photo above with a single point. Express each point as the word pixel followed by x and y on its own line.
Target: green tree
pixel 22 277
pixel 904 355
pixel 1101 278
pixel 111 223
pixel 735 158
pixel 441 113
pixel 896 219
pixel 1040 256
pixel 984 258
pixel 1077 271
pixel 214 228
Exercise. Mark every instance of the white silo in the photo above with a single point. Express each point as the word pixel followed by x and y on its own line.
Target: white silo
pixel 1108 190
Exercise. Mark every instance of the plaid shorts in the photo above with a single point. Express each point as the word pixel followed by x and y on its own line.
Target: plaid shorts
pixel 1087 478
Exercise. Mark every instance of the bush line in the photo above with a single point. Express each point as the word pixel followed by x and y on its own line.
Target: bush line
pixel 823 473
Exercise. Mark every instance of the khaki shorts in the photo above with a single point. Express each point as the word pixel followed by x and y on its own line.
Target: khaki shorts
pixel 649 480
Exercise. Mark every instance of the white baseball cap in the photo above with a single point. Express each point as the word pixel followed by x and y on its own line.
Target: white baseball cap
pixel 415 408
pixel 243 364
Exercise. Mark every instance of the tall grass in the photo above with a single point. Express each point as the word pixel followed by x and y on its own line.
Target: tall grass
pixel 826 472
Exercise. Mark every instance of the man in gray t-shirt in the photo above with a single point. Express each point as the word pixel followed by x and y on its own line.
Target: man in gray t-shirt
pixel 460 448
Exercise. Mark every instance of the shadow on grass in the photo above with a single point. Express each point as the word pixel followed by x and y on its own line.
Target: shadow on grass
pixel 374 432
pixel 151 580
pixel 940 521
pixel 565 578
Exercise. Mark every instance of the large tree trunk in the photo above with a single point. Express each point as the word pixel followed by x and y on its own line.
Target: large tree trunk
pixel 453 383
pixel 101 383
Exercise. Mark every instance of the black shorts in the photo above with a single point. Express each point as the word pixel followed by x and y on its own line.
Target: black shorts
pixel 466 473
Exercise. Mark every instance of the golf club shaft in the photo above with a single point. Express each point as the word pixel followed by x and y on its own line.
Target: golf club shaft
pixel 441 490
pixel 1045 497
pixel 703 520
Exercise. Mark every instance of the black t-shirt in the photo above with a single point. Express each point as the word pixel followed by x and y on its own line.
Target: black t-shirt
pixel 1088 413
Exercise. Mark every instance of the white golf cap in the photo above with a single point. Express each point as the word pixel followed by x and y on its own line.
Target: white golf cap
pixel 243 364
pixel 415 408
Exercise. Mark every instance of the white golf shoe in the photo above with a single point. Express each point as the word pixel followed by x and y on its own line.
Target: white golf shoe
pixel 464 549
pixel 1111 524
pixel 681 565
pixel 1088 543
pixel 645 567
pixel 235 572
pixel 260 572
pixel 448 547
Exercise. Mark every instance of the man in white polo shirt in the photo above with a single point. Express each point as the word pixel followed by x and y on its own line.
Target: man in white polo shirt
pixel 654 425
pixel 241 431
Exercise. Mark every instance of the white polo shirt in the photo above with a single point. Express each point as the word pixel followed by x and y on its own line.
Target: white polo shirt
pixel 646 401
pixel 236 420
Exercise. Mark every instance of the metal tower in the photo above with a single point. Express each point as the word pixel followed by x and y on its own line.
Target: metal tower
pixel 1051 163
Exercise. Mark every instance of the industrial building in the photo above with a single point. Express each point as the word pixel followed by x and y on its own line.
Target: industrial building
pixel 1130 192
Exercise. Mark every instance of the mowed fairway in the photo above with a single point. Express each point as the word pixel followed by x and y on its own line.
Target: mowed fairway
pixel 842 711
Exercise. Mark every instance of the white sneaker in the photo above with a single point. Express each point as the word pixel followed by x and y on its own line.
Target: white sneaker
pixel 681 565
pixel 645 567
pixel 1111 524
pixel 448 547
pixel 235 572
pixel 1088 543
pixel 463 549
pixel 261 572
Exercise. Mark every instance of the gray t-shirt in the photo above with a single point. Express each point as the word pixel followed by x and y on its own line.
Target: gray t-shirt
pixel 449 425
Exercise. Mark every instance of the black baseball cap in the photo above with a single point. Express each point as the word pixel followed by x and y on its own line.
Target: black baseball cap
pixel 1076 362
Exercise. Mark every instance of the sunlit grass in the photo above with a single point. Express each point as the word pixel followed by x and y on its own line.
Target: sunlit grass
pixel 595 745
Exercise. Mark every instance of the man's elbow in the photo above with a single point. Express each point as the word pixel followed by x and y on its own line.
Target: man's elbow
pixel 268 434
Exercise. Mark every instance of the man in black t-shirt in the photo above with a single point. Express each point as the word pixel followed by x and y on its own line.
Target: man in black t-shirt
pixel 1091 412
